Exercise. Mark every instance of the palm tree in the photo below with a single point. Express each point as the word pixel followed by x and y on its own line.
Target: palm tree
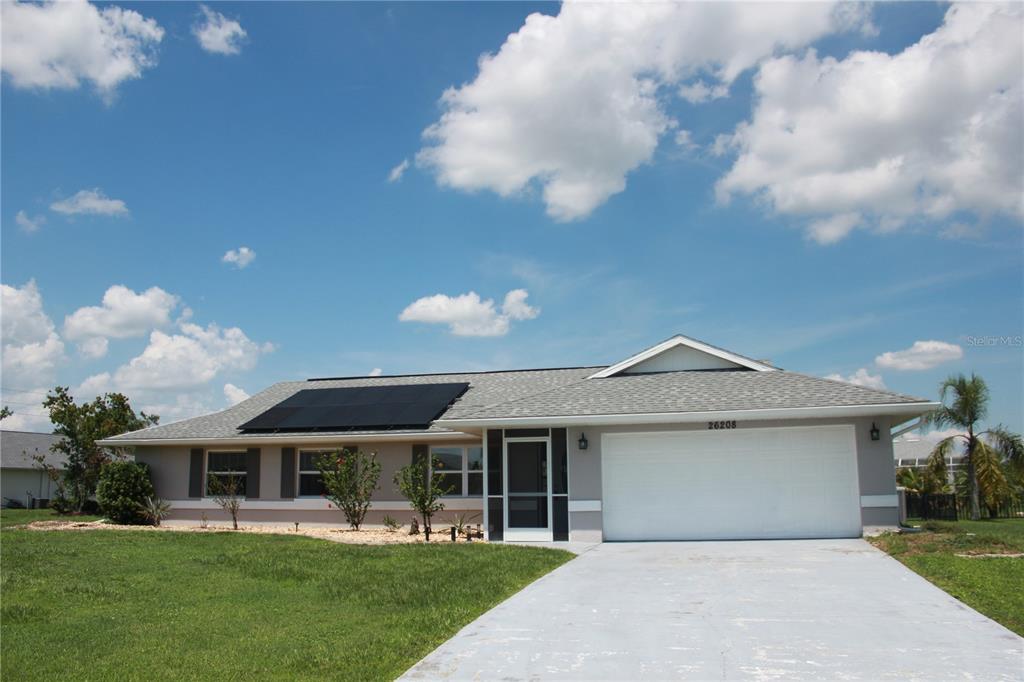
pixel 922 481
pixel 986 452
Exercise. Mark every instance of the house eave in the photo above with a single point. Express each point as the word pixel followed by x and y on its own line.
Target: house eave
pixel 294 438
pixel 831 411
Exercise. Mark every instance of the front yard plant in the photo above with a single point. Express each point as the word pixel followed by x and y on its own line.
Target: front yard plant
pixel 222 605
pixel 978 562
pixel 423 485
pixel 228 493
pixel 122 491
pixel 350 479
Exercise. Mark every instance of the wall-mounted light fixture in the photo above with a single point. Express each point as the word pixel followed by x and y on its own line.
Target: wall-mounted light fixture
pixel 583 441
pixel 874 432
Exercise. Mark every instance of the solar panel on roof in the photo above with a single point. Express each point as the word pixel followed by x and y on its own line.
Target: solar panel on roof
pixel 359 407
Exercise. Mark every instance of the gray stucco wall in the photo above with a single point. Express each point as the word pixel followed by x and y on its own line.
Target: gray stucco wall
pixel 25 484
pixel 876 474
pixel 169 466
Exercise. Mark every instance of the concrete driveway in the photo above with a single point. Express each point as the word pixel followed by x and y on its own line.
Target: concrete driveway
pixel 785 609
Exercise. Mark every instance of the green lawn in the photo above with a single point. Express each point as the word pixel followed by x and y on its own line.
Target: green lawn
pixel 174 606
pixel 16 517
pixel 990 585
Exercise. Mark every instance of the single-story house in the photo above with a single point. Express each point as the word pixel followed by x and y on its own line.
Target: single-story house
pixel 681 441
pixel 21 477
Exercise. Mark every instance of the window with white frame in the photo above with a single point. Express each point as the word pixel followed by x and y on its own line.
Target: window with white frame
pixel 311 483
pixel 224 466
pixel 461 468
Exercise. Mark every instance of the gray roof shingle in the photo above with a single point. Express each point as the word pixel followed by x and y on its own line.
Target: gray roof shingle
pixel 485 389
pixel 18 447
pixel 561 392
pixel 693 391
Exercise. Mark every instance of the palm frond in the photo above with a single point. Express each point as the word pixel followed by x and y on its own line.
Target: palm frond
pixel 992 482
pixel 1008 445
pixel 970 398
pixel 937 461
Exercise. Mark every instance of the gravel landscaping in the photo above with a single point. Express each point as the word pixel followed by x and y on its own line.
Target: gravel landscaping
pixel 366 536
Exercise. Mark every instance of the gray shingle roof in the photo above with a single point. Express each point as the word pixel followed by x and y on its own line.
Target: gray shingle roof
pixel 694 391
pixel 18 447
pixel 561 392
pixel 485 389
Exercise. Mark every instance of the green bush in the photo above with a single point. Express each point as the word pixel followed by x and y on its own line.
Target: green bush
pixel 123 488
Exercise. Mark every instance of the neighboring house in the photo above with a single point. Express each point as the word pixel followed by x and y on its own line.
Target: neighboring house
pixel 681 441
pixel 21 477
pixel 914 453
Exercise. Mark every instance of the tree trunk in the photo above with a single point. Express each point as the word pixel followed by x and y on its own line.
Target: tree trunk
pixel 426 527
pixel 972 479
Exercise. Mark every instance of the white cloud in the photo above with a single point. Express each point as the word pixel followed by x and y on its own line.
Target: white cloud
pixel 468 315
pixel 90 201
pixel 239 257
pixel 878 141
pixel 699 92
pixel 398 171
pixel 375 372
pixel 833 228
pixel 32 350
pixel 60 44
pixel 922 355
pixel 185 360
pixel 572 102
pixel 94 347
pixel 218 34
pixel 123 314
pixel 234 394
pixel 861 378
pixel 684 140
pixel 27 223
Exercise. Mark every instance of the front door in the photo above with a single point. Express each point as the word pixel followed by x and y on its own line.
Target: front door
pixel 528 489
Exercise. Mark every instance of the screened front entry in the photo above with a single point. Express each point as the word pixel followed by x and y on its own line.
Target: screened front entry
pixel 528 473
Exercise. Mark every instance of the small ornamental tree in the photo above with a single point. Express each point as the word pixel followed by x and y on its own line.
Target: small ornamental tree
pixel 122 488
pixel 423 489
pixel 349 481
pixel 228 493
pixel 79 427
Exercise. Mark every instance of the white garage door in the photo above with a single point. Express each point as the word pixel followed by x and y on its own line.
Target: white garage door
pixel 733 484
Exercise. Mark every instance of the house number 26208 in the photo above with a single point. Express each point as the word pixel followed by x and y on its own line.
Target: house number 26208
pixel 722 425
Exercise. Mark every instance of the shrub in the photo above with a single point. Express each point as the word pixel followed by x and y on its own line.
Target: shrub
pixel 60 502
pixel 155 510
pixel 391 523
pixel 228 493
pixel 350 479
pixel 423 489
pixel 123 487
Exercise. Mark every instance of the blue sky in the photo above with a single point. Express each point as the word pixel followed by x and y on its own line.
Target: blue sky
pixel 283 142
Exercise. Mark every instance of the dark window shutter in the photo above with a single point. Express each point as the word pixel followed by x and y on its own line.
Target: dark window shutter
pixel 252 470
pixel 421 453
pixel 559 462
pixel 287 473
pixel 195 473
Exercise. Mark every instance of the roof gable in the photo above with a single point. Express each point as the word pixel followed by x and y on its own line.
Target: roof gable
pixel 679 354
